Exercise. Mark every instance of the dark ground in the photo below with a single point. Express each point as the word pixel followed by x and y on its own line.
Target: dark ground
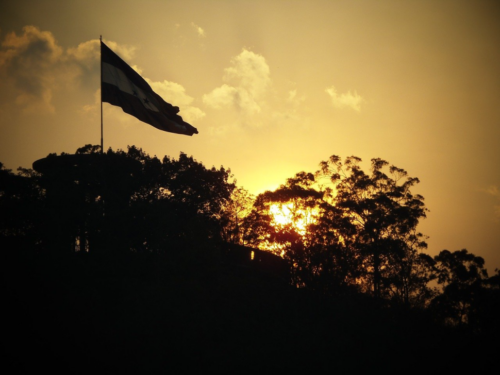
pixel 181 314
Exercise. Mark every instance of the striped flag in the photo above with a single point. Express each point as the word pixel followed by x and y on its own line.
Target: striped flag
pixel 124 87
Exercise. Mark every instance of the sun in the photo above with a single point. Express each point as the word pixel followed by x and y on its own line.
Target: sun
pixel 281 214
pixel 285 214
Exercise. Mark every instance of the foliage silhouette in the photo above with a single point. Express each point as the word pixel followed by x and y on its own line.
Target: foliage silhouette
pixel 361 231
pixel 378 214
pixel 465 284
pixel 233 216
pixel 21 204
pixel 131 263
pixel 121 201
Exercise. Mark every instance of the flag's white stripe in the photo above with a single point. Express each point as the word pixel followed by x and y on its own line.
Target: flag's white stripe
pixel 116 77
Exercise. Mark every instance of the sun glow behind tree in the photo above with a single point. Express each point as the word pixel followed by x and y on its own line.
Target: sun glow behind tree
pixel 286 215
pixel 288 220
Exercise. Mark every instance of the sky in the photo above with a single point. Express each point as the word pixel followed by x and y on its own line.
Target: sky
pixel 275 87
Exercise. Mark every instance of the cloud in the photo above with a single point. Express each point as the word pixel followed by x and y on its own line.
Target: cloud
pixel 33 67
pixel 175 94
pixel 349 99
pixel 494 191
pixel 27 65
pixel 88 53
pixel 199 30
pixel 247 80
pixel 225 96
pixel 249 98
pixel 250 71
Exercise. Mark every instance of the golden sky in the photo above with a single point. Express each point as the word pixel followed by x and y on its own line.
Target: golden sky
pixel 275 87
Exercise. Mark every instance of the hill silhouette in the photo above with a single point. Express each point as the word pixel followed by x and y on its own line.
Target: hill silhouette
pixel 141 268
pixel 151 313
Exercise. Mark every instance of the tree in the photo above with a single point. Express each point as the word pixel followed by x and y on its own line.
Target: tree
pixel 178 201
pixel 362 235
pixel 487 313
pixel 377 214
pixel 290 222
pixel 21 209
pixel 462 277
pixel 233 216
pixel 124 201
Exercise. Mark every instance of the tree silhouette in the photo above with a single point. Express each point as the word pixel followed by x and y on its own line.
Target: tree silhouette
pixel 462 276
pixel 233 216
pixel 378 215
pixel 363 235
pixel 146 256
pixel 176 201
pixel 123 201
pixel 21 209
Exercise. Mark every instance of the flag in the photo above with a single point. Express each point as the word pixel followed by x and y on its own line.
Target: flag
pixel 124 87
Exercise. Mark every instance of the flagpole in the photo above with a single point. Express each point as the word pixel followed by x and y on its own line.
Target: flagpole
pixel 102 143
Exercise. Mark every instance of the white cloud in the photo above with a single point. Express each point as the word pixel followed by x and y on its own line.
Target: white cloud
pixel 239 97
pixel 248 79
pixel 33 67
pixel 220 97
pixel 348 99
pixel 199 30
pixel 249 99
pixel 175 94
pixel 250 71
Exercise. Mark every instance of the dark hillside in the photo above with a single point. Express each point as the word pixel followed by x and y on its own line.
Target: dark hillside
pixel 151 314
pixel 119 262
